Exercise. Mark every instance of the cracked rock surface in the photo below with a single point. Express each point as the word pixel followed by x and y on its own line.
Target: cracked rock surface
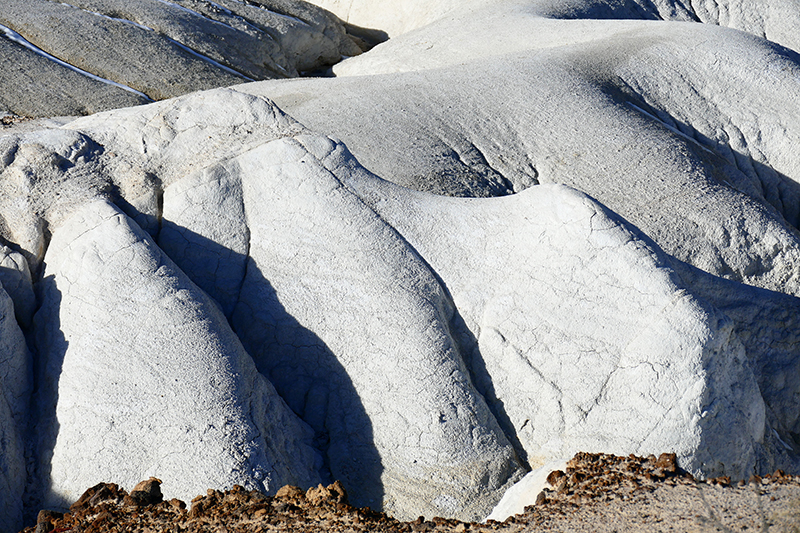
pixel 413 278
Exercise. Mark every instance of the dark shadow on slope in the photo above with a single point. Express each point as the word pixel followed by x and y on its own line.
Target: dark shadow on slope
pixel 482 381
pixel 768 325
pixel 48 347
pixel 301 367
pixel 368 36
pixel 469 350
pixel 621 10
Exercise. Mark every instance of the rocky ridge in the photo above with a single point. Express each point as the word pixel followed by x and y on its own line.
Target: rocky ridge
pixel 64 58
pixel 595 491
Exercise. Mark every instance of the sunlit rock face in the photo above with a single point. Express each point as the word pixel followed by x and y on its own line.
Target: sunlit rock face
pixel 517 232
pixel 103 54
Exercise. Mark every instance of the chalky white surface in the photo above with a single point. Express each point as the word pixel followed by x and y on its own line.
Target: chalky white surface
pixel 226 294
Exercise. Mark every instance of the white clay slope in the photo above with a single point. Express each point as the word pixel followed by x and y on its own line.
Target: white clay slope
pixel 230 289
pixel 175 396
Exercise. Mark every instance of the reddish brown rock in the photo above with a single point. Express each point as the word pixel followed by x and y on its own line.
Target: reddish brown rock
pixel 591 481
pixel 144 493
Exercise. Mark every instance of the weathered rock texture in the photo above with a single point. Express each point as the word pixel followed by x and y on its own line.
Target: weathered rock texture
pixel 126 53
pixel 591 492
pixel 775 20
pixel 257 286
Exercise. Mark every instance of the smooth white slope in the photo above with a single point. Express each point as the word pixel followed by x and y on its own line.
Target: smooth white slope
pixel 686 130
pixel 585 337
pixel 775 20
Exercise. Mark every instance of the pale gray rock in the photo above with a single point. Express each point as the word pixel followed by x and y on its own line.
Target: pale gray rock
pixel 600 112
pixel 104 54
pixel 637 292
pixel 564 321
pixel 308 36
pixel 395 452
pixel 394 18
pixel 775 20
pixel 148 62
pixel 341 399
pixel 174 396
pixel 15 390
pixel 766 323
pixel 338 387
pixel 15 277
pixel 247 51
pixel 277 254
pixel 35 86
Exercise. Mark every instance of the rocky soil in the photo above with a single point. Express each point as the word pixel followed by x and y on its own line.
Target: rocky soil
pixel 597 492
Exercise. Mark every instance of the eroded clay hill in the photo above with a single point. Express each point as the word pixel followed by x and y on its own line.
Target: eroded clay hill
pixel 517 232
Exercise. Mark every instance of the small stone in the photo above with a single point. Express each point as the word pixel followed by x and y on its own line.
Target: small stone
pixel 197 508
pixel 554 476
pixel 667 463
pixel 145 493
pixel 333 494
pixel 288 492
pixel 177 504
pixel 48 516
pixel 94 495
pixel 43 527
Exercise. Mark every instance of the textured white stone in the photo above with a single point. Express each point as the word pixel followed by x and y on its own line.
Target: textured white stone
pixel 15 389
pixel 175 396
pixel 320 272
pixel 394 18
pixel 596 108
pixel 15 276
pixel 775 20
pixel 525 491
pixel 227 295
pixel 587 339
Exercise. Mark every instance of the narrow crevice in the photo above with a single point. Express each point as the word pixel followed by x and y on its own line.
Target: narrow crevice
pixel 272 8
pixel 691 9
pixel 207 59
pixel 159 209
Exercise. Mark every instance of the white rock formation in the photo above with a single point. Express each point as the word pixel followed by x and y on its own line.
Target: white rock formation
pixel 174 396
pixel 104 54
pixel 227 295
pixel 775 20
pixel 15 389
pixel 525 491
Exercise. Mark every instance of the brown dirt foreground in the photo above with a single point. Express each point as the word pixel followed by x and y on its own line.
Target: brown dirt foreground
pixel 598 492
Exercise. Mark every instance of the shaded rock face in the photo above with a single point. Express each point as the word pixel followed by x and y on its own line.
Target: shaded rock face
pixel 104 54
pixel 211 291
